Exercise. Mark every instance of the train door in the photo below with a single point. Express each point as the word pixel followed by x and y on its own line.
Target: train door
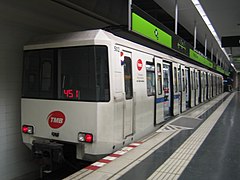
pixel 128 99
pixel 183 88
pixel 197 87
pixel 159 97
pixel 176 93
pixel 219 85
pixel 214 86
pixel 203 86
pixel 209 86
pixel 206 86
pixel 188 88
pixel 192 87
pixel 167 105
pixel 200 87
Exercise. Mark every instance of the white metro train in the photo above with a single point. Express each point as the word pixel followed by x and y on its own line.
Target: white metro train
pixel 97 92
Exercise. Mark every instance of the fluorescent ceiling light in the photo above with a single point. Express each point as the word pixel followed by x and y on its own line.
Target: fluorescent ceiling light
pixel 209 25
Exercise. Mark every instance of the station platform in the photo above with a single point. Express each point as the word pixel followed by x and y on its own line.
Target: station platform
pixel 201 143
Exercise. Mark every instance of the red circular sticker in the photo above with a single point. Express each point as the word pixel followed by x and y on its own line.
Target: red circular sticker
pixel 139 64
pixel 56 119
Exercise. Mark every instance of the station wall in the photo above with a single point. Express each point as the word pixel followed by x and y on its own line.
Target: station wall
pixel 15 158
pixel 19 22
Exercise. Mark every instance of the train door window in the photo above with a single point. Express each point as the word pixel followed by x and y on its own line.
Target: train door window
pixel 167 89
pixel 183 80
pixel 179 79
pixel 175 80
pixel 187 86
pixel 159 79
pixel 192 86
pixel 128 77
pixel 150 79
pixel 203 80
pixel 206 81
pixel 196 79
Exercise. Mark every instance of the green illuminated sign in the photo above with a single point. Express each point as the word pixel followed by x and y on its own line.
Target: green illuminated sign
pixel 219 69
pixel 147 29
pixel 197 57
pixel 227 73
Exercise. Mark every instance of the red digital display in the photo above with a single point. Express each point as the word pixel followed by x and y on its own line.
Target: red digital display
pixel 71 93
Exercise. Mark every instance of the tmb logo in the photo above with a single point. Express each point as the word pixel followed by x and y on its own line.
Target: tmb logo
pixel 139 64
pixel 56 119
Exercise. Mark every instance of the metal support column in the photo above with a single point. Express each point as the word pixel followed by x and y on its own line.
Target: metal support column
pixel 205 52
pixel 195 35
pixel 176 16
pixel 129 15
pixel 212 53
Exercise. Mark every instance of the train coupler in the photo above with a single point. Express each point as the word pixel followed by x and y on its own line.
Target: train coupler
pixel 48 154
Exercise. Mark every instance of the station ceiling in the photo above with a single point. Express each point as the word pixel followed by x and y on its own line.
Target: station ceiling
pixel 58 16
pixel 224 16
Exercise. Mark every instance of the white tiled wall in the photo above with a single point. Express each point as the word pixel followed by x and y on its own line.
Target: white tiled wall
pixel 15 158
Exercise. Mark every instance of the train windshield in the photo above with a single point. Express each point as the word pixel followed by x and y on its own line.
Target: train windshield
pixel 73 73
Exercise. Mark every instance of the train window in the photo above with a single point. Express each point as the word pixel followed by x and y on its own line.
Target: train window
pixel 128 77
pixel 46 75
pixel 175 80
pixel 38 74
pixel 159 79
pixel 73 73
pixel 150 79
pixel 31 75
pixel 84 73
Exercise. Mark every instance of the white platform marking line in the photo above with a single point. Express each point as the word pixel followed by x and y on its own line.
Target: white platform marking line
pixel 98 164
pixel 171 127
pixel 110 158
pixel 171 165
pixel 127 149
pixel 167 128
pixel 135 144
pixel 183 127
pixel 120 152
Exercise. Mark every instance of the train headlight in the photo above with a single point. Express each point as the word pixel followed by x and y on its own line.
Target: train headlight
pixel 27 129
pixel 85 137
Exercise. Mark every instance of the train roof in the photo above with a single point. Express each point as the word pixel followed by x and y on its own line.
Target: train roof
pixel 69 39
pixel 101 37
pixel 87 37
